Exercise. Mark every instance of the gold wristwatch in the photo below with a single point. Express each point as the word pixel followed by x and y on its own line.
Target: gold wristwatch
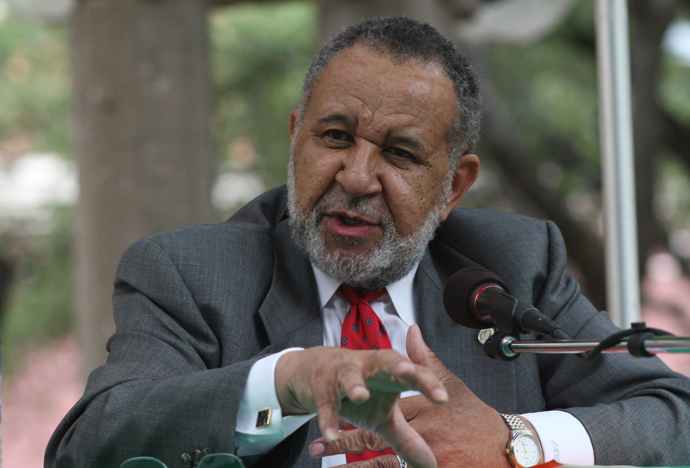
pixel 524 449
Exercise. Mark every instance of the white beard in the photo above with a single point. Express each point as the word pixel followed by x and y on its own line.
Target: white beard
pixel 389 260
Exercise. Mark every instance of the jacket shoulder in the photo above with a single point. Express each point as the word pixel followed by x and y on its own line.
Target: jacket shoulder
pixel 476 232
pixel 259 216
pixel 519 249
pixel 247 237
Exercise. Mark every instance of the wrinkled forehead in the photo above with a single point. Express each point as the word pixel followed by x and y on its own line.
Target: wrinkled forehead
pixel 381 54
pixel 364 81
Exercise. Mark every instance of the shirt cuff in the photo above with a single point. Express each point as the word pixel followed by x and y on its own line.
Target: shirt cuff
pixel 563 437
pixel 260 425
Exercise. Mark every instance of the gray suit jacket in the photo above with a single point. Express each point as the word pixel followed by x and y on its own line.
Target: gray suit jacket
pixel 196 306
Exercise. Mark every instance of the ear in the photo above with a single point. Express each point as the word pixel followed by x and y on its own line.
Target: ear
pixel 294 117
pixel 465 175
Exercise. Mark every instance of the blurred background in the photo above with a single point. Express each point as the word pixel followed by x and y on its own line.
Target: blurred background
pixel 121 118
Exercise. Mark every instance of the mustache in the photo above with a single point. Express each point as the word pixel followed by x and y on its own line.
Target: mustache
pixel 365 206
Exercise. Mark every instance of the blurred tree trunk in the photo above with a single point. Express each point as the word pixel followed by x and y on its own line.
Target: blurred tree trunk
pixel 649 21
pixel 141 114
pixel 334 15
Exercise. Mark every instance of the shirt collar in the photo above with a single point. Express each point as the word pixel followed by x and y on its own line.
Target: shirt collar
pixel 401 292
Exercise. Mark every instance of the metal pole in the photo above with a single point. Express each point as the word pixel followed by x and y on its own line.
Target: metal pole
pixel 615 115
pixel 665 344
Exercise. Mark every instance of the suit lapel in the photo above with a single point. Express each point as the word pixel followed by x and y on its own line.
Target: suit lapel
pixel 456 346
pixel 432 319
pixel 290 312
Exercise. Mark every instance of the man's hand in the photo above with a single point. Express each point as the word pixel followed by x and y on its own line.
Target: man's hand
pixel 363 388
pixel 464 432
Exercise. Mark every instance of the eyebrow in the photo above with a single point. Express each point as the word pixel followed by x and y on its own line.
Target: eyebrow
pixel 410 142
pixel 335 117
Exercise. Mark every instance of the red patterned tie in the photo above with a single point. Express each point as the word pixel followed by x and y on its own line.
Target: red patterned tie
pixel 362 329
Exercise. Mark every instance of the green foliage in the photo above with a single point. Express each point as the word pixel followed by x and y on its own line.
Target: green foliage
pixel 674 92
pixel 673 199
pixel 41 303
pixel 34 107
pixel 550 89
pixel 260 55
pixel 34 87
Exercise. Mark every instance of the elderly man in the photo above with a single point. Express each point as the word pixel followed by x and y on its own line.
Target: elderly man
pixel 231 337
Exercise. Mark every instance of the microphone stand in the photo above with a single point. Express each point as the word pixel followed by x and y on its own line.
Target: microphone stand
pixel 638 341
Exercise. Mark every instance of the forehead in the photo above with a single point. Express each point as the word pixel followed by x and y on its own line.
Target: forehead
pixel 366 85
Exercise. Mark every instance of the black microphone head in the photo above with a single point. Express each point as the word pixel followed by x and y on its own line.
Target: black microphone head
pixel 458 295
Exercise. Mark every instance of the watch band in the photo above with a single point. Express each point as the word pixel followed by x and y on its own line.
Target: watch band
pixel 524 448
pixel 515 423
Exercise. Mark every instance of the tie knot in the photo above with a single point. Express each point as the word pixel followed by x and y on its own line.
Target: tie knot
pixel 358 295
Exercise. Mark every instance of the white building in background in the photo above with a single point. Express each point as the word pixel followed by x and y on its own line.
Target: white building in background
pixel 677 40
pixel 32 186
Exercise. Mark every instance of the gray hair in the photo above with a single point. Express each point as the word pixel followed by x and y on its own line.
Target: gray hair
pixel 403 40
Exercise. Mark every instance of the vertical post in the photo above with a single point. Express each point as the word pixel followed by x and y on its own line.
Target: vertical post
pixel 615 115
pixel 142 110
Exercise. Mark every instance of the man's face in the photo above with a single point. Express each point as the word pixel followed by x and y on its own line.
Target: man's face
pixel 370 157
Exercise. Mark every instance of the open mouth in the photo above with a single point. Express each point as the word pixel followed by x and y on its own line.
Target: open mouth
pixel 349 221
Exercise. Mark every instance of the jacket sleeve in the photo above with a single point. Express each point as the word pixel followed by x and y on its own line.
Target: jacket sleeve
pixel 635 410
pixel 168 387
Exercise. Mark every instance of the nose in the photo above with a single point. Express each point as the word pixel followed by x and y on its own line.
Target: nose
pixel 359 175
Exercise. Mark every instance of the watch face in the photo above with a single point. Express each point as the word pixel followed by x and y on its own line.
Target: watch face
pixel 526 451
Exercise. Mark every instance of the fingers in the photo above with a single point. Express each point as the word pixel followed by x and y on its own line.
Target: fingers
pixel 344 425
pixel 420 353
pixel 385 461
pixel 360 386
pixel 413 406
pixel 417 349
pixel 388 371
pixel 356 440
pixel 406 442
pixel 413 376
pixel 352 383
pixel 327 401
pixel 426 382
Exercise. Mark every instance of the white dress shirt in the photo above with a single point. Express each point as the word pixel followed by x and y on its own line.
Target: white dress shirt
pixel 563 437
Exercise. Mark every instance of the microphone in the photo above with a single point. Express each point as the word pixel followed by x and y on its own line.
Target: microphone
pixel 477 298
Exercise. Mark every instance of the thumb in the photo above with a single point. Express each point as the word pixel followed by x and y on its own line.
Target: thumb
pixel 406 442
pixel 419 353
